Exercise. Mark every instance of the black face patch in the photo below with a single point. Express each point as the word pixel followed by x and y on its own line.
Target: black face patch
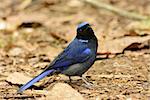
pixel 83 28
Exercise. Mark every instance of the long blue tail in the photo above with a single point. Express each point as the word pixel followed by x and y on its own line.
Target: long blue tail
pixel 34 80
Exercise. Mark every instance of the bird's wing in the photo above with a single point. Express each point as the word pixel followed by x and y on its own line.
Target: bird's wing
pixel 70 56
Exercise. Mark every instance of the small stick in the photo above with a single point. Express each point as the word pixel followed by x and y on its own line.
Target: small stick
pixel 116 10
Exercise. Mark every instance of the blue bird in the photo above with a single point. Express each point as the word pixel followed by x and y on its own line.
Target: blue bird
pixel 75 60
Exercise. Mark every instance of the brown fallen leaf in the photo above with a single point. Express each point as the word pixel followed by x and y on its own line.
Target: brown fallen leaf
pixel 119 44
pixel 143 25
pixel 13 22
pixel 18 78
pixel 63 91
pixel 16 51
pixel 138 46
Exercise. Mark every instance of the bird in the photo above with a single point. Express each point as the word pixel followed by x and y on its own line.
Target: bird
pixel 75 59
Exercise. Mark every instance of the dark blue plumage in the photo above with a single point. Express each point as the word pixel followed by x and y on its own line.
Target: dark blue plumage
pixel 76 59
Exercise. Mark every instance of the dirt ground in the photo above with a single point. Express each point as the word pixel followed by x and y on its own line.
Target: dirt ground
pixel 34 32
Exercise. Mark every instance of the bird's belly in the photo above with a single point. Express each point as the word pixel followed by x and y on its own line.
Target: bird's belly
pixel 76 69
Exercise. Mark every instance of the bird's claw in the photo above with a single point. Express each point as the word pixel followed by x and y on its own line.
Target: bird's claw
pixel 88 85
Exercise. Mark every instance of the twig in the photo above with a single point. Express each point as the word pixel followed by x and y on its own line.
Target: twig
pixel 24 4
pixel 113 76
pixel 58 37
pixel 116 10
pixel 19 96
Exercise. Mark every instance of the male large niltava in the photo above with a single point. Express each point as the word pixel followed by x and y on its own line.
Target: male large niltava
pixel 75 60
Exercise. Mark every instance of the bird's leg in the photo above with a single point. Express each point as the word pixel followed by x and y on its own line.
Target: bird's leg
pixel 70 79
pixel 89 85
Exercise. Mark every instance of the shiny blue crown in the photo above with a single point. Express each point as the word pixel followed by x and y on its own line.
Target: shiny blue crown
pixel 82 24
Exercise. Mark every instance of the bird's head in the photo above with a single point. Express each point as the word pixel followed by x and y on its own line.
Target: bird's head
pixel 84 31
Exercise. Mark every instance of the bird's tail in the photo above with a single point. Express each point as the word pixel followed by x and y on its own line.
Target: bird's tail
pixel 34 80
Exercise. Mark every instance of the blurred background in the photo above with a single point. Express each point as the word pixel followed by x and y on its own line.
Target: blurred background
pixel 34 32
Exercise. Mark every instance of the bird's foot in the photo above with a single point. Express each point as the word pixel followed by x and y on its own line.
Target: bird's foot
pixel 87 84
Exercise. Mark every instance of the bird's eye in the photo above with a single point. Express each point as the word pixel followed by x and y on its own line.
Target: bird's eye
pixel 80 30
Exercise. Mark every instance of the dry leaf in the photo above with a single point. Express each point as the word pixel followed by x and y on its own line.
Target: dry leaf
pixel 64 92
pixel 18 78
pixel 119 44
